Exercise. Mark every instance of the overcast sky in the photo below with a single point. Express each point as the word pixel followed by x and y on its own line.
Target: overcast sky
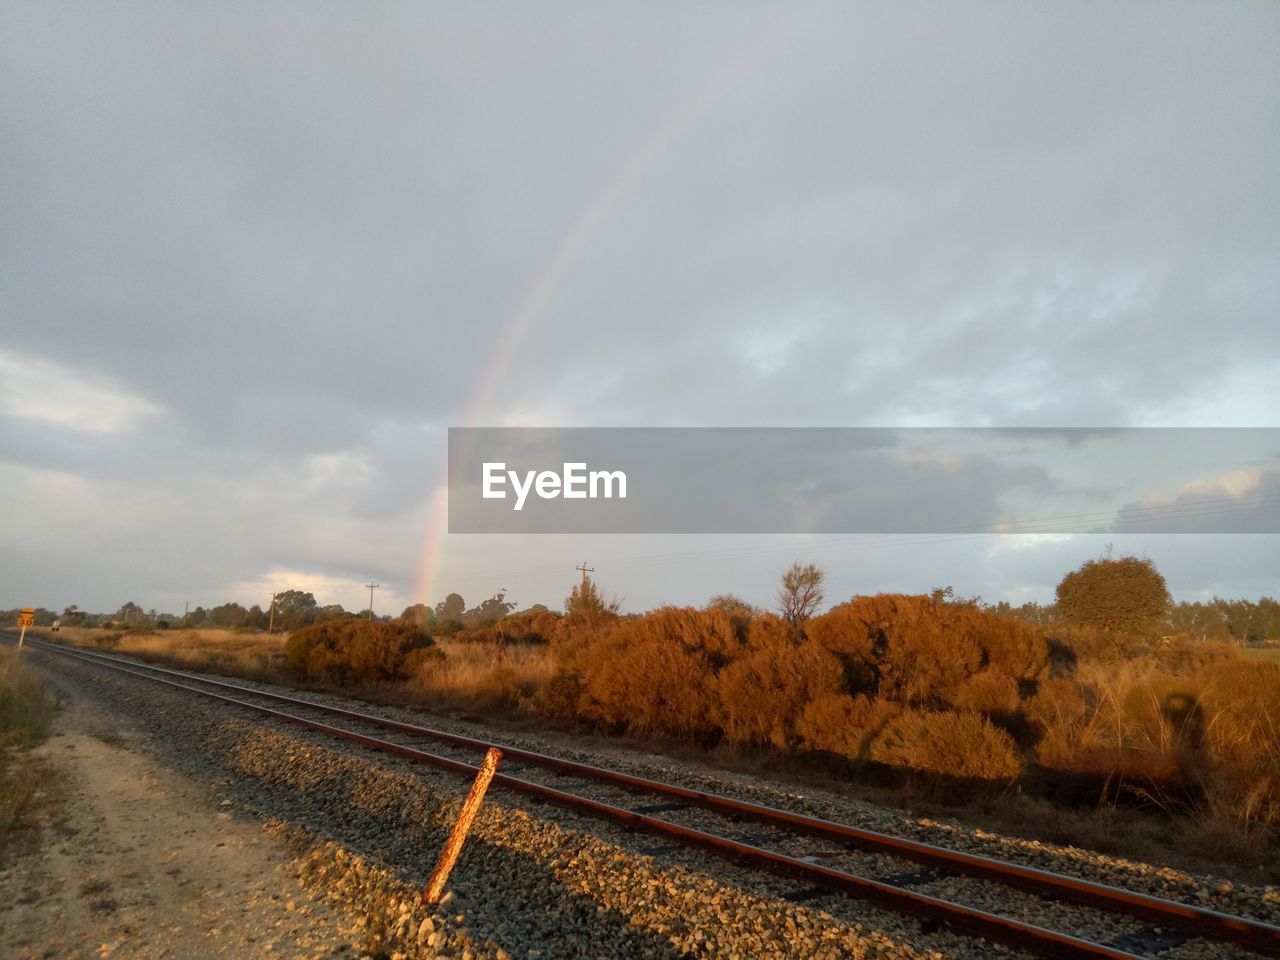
pixel 256 259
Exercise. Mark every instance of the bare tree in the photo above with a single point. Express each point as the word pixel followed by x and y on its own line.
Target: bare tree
pixel 800 593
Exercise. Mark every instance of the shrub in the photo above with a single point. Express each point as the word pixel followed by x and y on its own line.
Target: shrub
pixel 352 650
pixel 918 650
pixel 1186 657
pixel 761 695
pixel 839 723
pixel 989 692
pixel 655 674
pixel 422 660
pixel 561 695
pixel 956 743
pixel 1114 594
pixel 1077 644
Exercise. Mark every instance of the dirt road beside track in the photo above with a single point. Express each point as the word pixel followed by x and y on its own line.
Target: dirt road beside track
pixel 124 857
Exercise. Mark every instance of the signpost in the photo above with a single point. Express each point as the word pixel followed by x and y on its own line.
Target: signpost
pixel 453 846
pixel 26 619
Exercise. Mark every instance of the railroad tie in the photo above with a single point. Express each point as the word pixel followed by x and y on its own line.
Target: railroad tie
pixel 660 808
pixel 1151 940
pixel 914 879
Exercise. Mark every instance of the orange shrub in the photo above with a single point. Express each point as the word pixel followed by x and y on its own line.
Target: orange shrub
pixel 1093 644
pixel 761 695
pixel 656 674
pixel 839 723
pixel 956 743
pixel 989 692
pixel 342 651
pixel 916 650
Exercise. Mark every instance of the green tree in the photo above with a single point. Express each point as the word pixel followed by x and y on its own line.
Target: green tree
pixel 1126 594
pixel 452 607
pixel 295 608
pixel 226 615
pixel 492 610
pixel 422 616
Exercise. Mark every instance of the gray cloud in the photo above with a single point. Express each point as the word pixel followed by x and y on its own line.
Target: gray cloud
pixel 308 237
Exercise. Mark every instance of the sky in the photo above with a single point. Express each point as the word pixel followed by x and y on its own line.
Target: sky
pixel 256 259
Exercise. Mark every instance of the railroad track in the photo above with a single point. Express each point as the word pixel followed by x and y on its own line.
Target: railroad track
pixel 825 856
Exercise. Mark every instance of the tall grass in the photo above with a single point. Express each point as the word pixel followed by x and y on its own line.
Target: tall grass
pixel 25 712
pixel 255 656
pixel 473 674
pixel 484 675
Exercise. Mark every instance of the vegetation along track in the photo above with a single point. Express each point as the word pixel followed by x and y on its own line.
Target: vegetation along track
pixel 817 852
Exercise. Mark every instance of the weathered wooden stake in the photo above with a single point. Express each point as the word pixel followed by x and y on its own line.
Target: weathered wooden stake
pixel 453 846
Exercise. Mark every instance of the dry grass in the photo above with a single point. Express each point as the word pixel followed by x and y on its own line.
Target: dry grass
pixel 25 709
pixel 25 712
pixel 1263 653
pixel 256 656
pixel 473 674
pixel 483 675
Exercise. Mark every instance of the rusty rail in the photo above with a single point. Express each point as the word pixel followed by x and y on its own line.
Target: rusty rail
pixel 1199 921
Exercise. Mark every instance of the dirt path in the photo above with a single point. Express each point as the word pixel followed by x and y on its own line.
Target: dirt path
pixel 132 860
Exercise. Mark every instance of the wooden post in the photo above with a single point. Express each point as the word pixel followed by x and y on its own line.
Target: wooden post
pixel 453 846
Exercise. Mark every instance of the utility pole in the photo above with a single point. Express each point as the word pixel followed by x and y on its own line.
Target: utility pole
pixel 372 586
pixel 585 570
pixel 271 623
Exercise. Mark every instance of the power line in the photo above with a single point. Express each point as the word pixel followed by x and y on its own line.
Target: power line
pixel 1080 523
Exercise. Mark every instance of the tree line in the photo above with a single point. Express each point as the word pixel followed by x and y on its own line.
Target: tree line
pixel 1124 594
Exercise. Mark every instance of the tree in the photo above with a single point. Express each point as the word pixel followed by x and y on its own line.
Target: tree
pixel 422 616
pixel 584 601
pixel 131 615
pixel 452 607
pixel 73 616
pixel 800 593
pixel 734 606
pixel 492 610
pixel 294 608
pixel 1128 594
pixel 226 615
pixel 257 618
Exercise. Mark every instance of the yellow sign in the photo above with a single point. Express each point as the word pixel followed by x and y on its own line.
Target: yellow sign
pixel 27 617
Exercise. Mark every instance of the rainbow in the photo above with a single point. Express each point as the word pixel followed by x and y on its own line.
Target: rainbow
pixel 596 211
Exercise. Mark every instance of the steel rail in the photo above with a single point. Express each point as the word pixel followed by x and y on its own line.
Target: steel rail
pixel 1197 920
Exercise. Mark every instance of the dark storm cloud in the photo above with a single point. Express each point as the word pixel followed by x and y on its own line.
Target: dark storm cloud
pixel 292 242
